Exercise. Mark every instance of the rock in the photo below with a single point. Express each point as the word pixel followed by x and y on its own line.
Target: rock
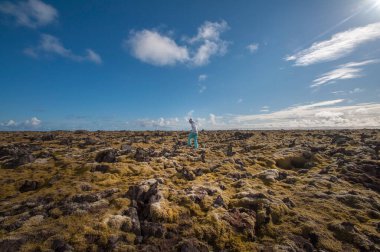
pixel 293 143
pixel 242 135
pixel 192 245
pixel 116 221
pixel 282 175
pixel 325 170
pixel 66 141
pixel 300 244
pixel 107 156
pixel 239 162
pixel 222 186
pixel 80 132
pixel 340 139
pixel 107 193
pixel 290 180
pixel 89 141
pixel 203 156
pixel 126 149
pixel 303 171
pixel 186 174
pixel 198 172
pixel 59 245
pixel 230 152
pixel 218 202
pixel 34 220
pixel 250 200
pixel 135 227
pixel 101 168
pixel 47 137
pixel 289 202
pixel 242 220
pixel 365 172
pixel 150 203
pixel 19 160
pixel 333 179
pixel 44 154
pixel 152 229
pixel 29 185
pixel 347 232
pixel 294 158
pixel 351 200
pixel 89 198
pixel 269 176
pixel 12 243
pixel 86 187
pixel 141 155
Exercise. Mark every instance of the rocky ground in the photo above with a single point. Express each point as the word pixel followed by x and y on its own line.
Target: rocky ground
pixel 147 191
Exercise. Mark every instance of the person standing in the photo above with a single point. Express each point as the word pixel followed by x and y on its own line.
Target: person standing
pixel 193 134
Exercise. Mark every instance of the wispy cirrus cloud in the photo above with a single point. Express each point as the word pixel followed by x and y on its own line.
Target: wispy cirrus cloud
pixel 353 91
pixel 338 46
pixel 31 13
pixel 50 45
pixel 346 71
pixel 153 47
pixel 325 114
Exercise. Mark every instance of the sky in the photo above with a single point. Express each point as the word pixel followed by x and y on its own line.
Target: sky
pixel 151 65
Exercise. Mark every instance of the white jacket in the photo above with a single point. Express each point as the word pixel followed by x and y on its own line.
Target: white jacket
pixel 194 128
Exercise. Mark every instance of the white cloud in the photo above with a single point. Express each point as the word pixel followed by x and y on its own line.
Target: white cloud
pixel 339 92
pixel 329 115
pixel 350 70
pixel 31 123
pixel 154 48
pixel 213 119
pixel 211 44
pixel 50 45
pixel 202 77
pixel 252 48
pixel 324 114
pixel 210 31
pixel 264 109
pixel 291 111
pixel 31 13
pixel 10 123
pixel 204 52
pixel 158 123
pixel 340 45
pixel 34 121
pixel 93 56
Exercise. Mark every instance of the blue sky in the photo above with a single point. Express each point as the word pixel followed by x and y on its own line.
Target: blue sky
pixel 152 64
